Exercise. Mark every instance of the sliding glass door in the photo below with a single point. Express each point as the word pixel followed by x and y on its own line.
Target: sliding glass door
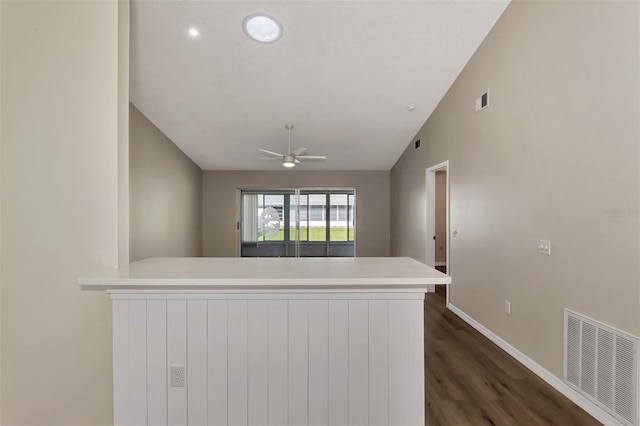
pixel 265 226
pixel 326 223
pixel 297 223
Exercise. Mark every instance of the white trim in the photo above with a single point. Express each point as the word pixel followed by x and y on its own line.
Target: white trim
pixel 238 224
pixel 439 167
pixel 538 370
pixel 239 295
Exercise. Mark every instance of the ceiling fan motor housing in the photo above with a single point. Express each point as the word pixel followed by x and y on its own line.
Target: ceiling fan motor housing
pixel 288 160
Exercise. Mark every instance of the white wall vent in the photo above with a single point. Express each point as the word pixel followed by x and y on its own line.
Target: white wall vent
pixel 601 363
pixel 482 101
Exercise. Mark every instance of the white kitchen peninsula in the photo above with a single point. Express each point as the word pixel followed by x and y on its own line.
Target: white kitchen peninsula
pixel 268 341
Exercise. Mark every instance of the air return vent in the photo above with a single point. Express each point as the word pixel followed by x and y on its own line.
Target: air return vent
pixel 483 101
pixel 601 363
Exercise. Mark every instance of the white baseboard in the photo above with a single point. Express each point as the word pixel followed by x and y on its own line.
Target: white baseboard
pixel 540 371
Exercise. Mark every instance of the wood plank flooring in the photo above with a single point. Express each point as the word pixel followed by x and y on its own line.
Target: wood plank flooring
pixel 471 381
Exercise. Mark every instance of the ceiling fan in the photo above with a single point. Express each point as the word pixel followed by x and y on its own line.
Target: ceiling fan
pixel 293 157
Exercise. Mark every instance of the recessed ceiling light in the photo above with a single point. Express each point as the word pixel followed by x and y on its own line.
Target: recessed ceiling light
pixel 411 108
pixel 262 28
pixel 193 32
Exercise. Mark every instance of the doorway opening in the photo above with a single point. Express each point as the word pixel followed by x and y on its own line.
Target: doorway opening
pixel 437 196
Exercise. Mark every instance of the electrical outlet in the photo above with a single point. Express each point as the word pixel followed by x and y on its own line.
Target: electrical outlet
pixel 544 247
pixel 176 376
pixel 507 307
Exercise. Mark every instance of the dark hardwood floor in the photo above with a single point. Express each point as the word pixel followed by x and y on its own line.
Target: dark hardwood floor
pixel 470 381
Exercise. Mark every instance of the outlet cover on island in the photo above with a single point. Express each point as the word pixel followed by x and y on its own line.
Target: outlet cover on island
pixel 176 376
pixel 507 307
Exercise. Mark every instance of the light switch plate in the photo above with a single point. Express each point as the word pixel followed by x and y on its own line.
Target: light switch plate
pixel 544 247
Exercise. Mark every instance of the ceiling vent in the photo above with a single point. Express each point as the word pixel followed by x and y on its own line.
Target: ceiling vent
pixel 601 363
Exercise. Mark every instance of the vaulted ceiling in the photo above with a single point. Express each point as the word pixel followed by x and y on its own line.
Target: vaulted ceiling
pixel 344 73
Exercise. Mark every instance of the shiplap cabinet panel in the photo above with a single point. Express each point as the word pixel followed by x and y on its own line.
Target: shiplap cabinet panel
pixel 358 362
pixel 298 362
pixel 378 362
pixel 278 362
pixel 237 362
pixel 217 362
pixel 338 362
pixel 258 364
pixel 265 360
pixel 120 321
pixel 197 362
pixel 157 362
pixel 138 361
pixel 318 363
pixel 415 364
pixel 176 355
pixel 398 362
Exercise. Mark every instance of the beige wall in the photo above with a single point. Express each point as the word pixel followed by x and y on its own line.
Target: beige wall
pixel 557 149
pixel 165 195
pixel 59 209
pixel 441 216
pixel 219 199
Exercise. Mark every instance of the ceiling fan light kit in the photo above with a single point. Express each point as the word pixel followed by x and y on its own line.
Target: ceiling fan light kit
pixel 292 158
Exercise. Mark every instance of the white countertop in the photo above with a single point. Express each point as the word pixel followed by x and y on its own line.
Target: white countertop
pixel 269 273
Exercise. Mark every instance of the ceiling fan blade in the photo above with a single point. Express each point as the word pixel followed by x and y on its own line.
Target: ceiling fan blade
pixel 312 157
pixel 264 151
pixel 271 158
pixel 297 162
pixel 298 152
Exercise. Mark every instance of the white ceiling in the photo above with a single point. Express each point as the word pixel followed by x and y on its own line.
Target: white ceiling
pixel 344 73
